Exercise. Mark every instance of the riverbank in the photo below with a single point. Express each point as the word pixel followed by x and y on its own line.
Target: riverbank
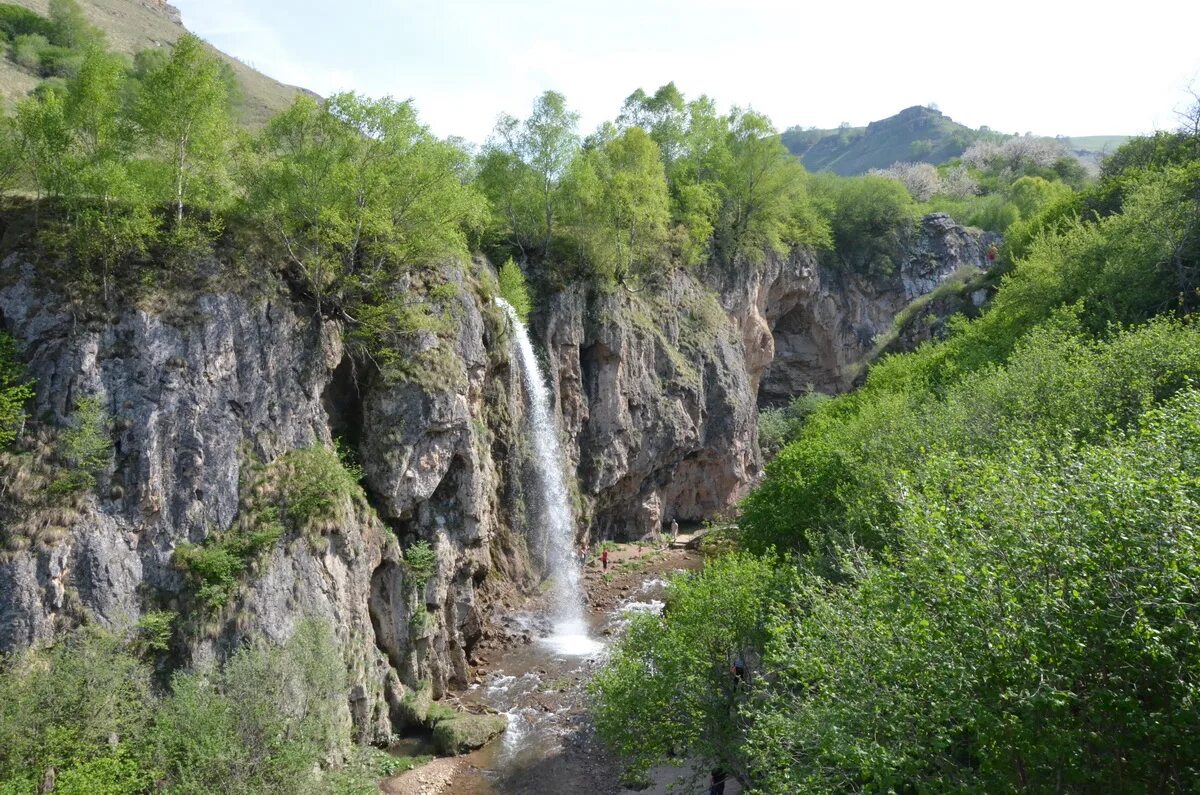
pixel 550 747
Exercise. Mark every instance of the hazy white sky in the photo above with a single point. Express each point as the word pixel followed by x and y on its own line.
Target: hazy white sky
pixel 1050 67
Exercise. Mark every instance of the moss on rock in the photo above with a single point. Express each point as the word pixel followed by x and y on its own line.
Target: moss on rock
pixel 466 732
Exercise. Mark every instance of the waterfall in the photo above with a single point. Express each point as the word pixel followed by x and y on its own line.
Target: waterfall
pixel 556 522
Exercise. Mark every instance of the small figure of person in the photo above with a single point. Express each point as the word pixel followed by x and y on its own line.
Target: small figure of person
pixel 674 529
pixel 604 558
pixel 992 253
pixel 717 782
pixel 738 669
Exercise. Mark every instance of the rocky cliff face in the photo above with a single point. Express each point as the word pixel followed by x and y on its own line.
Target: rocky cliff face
pixel 657 394
pixel 824 324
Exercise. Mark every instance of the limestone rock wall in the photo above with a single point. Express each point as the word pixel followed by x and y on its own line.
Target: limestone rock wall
pixel 657 393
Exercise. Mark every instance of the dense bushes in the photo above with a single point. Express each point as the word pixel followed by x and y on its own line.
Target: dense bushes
pixel 1037 627
pixel 867 217
pixel 86 717
pixel 981 565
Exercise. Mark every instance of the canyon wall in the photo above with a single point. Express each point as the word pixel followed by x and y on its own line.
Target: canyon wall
pixel 657 392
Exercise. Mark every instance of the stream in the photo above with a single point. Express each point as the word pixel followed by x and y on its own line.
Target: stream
pixel 550 747
pixel 538 679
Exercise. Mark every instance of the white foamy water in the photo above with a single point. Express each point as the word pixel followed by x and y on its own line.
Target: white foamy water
pixel 570 639
pixel 556 526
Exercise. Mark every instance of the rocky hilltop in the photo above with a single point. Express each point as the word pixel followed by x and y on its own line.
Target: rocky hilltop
pixel 657 396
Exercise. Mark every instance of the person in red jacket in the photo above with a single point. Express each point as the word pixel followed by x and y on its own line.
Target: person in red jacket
pixel 604 558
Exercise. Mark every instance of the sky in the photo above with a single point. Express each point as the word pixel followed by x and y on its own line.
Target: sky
pixel 1053 67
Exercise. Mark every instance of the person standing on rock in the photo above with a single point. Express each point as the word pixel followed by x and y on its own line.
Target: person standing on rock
pixel 674 529
pixel 604 558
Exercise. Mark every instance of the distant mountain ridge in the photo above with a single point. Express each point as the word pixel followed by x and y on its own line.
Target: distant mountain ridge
pixel 917 134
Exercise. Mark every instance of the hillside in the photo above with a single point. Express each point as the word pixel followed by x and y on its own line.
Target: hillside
pixel 133 25
pixel 918 133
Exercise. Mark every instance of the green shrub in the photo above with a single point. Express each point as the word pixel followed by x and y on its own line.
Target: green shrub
pixel 514 290
pixel 82 707
pixel 85 447
pixel 667 688
pixel 317 493
pixel 992 213
pixel 779 426
pixel 15 391
pixel 27 50
pixel 866 215
pixel 17 21
pixel 421 561
pixel 211 570
pixel 1036 623
pixel 261 725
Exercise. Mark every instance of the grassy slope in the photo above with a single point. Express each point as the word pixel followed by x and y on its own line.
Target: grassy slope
pixel 859 149
pixel 132 26
pixel 915 133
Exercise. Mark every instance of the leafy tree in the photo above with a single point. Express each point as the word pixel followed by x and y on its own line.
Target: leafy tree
pixel 867 215
pixel 69 27
pixel 43 137
pixel 514 290
pixel 80 709
pixel 111 212
pixel 183 115
pixel 522 167
pixel 1031 194
pixel 664 115
pixel 765 204
pixel 86 446
pixel 669 687
pixel 358 192
pixel 622 206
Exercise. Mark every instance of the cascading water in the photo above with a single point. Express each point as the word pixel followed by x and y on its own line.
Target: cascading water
pixel 557 524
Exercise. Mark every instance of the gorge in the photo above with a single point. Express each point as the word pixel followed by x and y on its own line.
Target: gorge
pixel 655 429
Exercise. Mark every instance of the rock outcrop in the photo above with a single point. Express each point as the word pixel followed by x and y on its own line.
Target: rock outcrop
pixel 825 323
pixel 657 393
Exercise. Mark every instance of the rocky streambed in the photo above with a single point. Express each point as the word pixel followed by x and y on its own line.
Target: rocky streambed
pixel 550 745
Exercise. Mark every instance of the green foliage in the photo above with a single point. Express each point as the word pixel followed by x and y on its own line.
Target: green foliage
pixel 514 290
pixel 866 217
pixel 420 559
pixel 1035 626
pixel 43 138
pixel 668 687
pixel 15 391
pixel 358 192
pixel 154 630
pixel 69 28
pixel 183 117
pixel 765 202
pixel 17 21
pixel 620 207
pixel 779 426
pixel 316 492
pixel 80 707
pixel 521 170
pixel 85 447
pixel 86 709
